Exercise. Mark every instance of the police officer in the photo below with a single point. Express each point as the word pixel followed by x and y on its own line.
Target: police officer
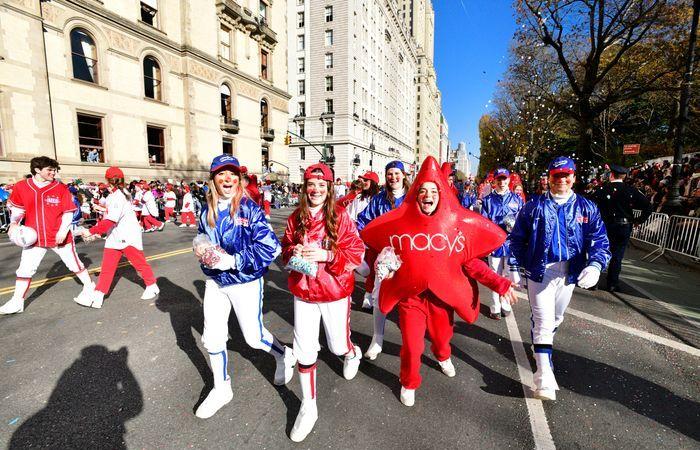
pixel 616 200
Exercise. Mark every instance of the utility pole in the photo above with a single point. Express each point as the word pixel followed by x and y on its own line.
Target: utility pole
pixel 673 202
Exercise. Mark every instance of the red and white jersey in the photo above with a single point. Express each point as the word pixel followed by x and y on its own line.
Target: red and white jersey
pixel 187 203
pixel 149 204
pixel 43 208
pixel 170 199
pixel 127 232
pixel 138 197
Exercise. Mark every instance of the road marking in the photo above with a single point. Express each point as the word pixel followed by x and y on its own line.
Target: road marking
pixel 635 332
pixel 58 279
pixel 538 420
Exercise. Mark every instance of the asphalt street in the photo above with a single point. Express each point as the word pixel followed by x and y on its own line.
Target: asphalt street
pixel 131 374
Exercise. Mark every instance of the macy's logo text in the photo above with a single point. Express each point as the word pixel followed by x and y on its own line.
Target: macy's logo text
pixel 426 242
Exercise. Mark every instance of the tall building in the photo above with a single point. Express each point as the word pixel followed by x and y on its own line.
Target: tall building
pixel 352 68
pixel 157 87
pixel 444 140
pixel 462 163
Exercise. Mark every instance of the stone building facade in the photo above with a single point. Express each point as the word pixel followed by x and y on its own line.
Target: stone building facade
pixel 158 87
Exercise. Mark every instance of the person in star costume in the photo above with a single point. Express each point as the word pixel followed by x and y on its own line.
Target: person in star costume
pixel 439 243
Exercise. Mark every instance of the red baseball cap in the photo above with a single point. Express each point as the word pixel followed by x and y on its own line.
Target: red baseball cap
pixel 114 172
pixel 327 174
pixel 371 176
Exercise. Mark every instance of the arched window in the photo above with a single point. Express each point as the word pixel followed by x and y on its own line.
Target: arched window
pixel 152 78
pixel 226 103
pixel 84 55
pixel 263 114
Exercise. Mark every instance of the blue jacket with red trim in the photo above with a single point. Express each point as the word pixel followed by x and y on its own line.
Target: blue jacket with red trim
pixel 497 208
pixel 378 205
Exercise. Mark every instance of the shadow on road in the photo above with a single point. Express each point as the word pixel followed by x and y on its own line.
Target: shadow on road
pixel 89 407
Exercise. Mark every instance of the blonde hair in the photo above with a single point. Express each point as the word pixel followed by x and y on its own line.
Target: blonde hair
pixel 213 200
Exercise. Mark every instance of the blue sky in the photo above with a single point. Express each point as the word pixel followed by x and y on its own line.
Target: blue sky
pixel 471 54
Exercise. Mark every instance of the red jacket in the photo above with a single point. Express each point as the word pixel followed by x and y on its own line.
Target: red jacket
pixel 345 201
pixel 335 279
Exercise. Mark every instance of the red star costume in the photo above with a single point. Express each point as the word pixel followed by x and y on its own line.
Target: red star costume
pixel 439 271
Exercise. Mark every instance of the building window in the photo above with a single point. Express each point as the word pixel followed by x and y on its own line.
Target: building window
pixel 329 37
pixel 302 153
pixel 226 110
pixel 329 14
pixel 263 11
pixel 300 19
pixel 156 145
pixel 302 109
pixel 329 105
pixel 329 60
pixel 149 12
pixel 263 65
pixel 302 129
pixel 329 128
pixel 84 56
pixel 225 43
pixel 152 81
pixel 300 42
pixel 227 147
pixel 264 111
pixel 329 84
pixel 300 2
pixel 302 87
pixel 90 138
pixel 302 65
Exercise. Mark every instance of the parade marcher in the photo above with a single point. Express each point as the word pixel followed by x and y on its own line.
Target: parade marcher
pixel 47 207
pixel 616 201
pixel 123 239
pixel 501 207
pixel 370 188
pixel 149 212
pixel 439 244
pixel 187 212
pixel 170 198
pixel 321 233
pixel 467 198
pixel 389 198
pixel 246 247
pixel 267 200
pixel 558 241
pixel 355 190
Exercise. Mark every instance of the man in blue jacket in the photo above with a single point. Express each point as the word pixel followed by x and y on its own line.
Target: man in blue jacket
pixel 501 207
pixel 559 240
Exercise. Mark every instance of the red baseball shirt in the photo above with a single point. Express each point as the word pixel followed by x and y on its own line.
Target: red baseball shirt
pixel 43 209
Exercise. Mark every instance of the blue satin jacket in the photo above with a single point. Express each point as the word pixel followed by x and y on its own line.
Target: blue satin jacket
pixel 496 208
pixel 532 236
pixel 247 237
pixel 467 199
pixel 377 206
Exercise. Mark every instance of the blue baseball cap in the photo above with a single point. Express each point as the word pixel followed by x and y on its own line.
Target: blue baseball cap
pixel 562 164
pixel 223 161
pixel 395 165
pixel 501 172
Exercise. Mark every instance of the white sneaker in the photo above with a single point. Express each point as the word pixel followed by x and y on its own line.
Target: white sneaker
pixel 408 396
pixel 192 225
pixel 546 394
pixel 182 225
pixel 150 292
pixel 306 419
pixel 352 364
pixel 285 367
pixel 92 299
pixel 447 367
pixel 367 301
pixel 13 306
pixel 217 399
pixel 373 350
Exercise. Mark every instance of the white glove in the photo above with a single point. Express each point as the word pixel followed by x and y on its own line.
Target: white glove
pixel 226 262
pixel 588 277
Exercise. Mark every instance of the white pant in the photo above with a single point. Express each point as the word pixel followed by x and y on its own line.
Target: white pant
pixel 246 300
pixel 31 258
pixel 548 302
pixel 336 323
pixel 501 267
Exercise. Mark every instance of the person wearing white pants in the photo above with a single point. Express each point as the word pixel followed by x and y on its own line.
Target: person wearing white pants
pixel 559 241
pixel 235 246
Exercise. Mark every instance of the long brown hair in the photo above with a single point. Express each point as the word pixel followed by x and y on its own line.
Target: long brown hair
pixel 119 184
pixel 390 194
pixel 303 217
pixel 371 192
pixel 213 201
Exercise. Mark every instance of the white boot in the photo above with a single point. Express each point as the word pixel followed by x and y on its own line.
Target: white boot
pixel 92 299
pixel 408 396
pixel 545 383
pixel 13 306
pixel 375 347
pixel 306 419
pixel 352 363
pixel 222 393
pixel 447 367
pixel 367 301
pixel 150 292
pixel 506 309
pixel 285 367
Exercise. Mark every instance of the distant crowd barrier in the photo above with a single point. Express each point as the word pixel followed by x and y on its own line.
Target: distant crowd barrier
pixel 678 234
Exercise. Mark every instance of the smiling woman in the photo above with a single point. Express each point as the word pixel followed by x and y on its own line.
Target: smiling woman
pixel 428 197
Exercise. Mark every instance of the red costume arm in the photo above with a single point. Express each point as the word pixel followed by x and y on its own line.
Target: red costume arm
pixel 345 201
pixel 349 248
pixel 482 273
pixel 102 227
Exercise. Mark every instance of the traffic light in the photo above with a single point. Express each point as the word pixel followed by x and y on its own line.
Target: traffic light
pixel 287 139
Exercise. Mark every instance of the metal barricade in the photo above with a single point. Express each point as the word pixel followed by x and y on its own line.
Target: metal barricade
pixel 684 236
pixel 653 231
pixel 4 218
